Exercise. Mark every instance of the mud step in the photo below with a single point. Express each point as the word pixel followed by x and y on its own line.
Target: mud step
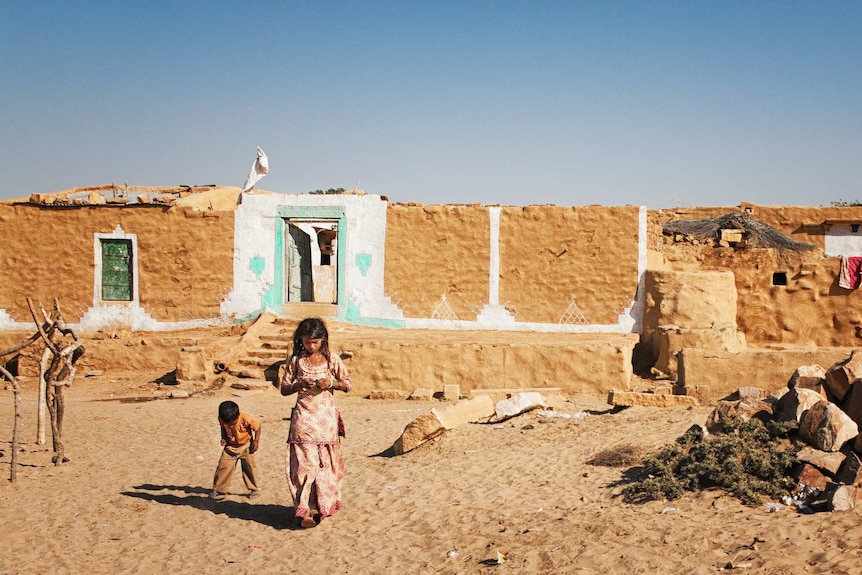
pixel 274 354
pixel 300 310
pixel 272 342
pixel 258 361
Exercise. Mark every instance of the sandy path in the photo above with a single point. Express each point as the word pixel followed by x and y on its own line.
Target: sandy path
pixel 133 499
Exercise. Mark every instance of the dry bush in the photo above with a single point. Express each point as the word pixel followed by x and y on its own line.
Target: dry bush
pixel 619 456
pixel 750 459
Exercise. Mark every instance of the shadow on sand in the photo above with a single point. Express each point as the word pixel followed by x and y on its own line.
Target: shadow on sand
pixel 275 516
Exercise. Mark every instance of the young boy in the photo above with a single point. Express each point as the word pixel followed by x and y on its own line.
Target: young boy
pixel 240 435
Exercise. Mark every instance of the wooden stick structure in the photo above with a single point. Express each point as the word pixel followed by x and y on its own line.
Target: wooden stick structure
pixel 57 371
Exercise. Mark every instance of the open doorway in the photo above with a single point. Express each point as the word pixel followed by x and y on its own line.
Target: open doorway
pixel 311 260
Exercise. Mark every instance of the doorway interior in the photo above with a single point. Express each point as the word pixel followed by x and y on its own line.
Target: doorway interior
pixel 311 259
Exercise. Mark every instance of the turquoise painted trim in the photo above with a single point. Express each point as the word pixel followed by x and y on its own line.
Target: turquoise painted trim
pixel 342 265
pixel 363 262
pixel 272 298
pixel 354 316
pixel 257 265
pixel 275 296
pixel 249 317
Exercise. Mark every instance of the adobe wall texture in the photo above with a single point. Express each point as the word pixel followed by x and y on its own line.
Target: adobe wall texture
pixel 185 258
pixel 548 254
pixel 432 250
pixel 811 310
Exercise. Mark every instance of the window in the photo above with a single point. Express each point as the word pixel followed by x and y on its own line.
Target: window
pixel 117 270
pixel 779 279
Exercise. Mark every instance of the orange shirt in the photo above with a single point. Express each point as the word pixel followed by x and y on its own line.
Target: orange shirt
pixel 239 433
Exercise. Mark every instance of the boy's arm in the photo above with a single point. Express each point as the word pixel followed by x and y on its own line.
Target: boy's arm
pixel 255 439
pixel 223 433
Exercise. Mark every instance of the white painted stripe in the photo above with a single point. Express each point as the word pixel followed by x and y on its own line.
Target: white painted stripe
pixel 494 271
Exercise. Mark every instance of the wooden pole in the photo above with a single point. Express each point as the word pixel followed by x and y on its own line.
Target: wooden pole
pixel 16 426
pixel 43 397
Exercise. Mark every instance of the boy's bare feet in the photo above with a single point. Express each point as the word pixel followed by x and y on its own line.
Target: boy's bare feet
pixel 254 494
pixel 217 496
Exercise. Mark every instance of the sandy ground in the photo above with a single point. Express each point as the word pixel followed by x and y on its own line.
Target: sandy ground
pixel 133 497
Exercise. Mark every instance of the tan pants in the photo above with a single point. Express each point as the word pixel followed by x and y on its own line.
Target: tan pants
pixel 227 465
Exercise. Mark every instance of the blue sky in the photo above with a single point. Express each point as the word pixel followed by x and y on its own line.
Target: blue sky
pixel 660 104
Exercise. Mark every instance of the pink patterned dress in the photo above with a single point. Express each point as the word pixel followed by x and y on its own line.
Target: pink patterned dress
pixel 314 464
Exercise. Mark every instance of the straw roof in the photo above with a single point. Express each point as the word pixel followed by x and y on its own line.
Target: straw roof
pixel 756 234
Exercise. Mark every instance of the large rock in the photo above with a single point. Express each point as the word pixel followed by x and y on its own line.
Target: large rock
pixel 843 374
pixel 516 405
pixel 438 421
pixel 809 475
pixel 422 429
pixel 853 404
pixel 850 472
pixel 829 461
pixel 841 498
pixel 808 377
pixel 826 427
pixel 747 408
pixel 793 404
pixel 632 398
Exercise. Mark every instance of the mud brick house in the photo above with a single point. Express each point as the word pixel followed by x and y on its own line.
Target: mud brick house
pixel 702 306
pixel 172 258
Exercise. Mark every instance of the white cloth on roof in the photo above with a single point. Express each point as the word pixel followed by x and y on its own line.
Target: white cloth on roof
pixel 259 169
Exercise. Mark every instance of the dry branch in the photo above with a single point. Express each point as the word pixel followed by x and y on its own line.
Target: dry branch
pixel 57 370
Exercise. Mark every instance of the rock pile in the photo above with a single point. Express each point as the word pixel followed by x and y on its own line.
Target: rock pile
pixel 827 406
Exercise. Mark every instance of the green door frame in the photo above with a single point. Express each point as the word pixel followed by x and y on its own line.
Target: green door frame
pixel 273 299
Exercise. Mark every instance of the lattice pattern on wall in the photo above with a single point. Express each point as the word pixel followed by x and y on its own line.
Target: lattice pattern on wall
pixel 397 301
pixel 443 310
pixel 573 314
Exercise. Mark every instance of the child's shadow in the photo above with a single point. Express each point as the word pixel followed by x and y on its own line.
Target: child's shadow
pixel 275 516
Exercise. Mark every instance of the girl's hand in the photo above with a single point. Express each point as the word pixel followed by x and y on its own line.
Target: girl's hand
pixel 324 384
pixel 305 383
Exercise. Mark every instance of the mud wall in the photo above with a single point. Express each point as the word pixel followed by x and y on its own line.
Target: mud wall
pixel 809 310
pixel 435 250
pixel 574 363
pixel 548 254
pixel 185 258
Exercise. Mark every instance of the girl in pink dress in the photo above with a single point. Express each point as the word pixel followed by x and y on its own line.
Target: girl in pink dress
pixel 314 464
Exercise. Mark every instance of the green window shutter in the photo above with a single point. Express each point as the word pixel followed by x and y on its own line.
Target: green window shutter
pixel 117 270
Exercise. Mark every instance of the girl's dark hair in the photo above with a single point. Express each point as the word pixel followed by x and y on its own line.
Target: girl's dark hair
pixel 314 328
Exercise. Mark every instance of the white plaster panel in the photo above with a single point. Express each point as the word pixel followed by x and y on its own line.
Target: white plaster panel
pixel 631 319
pixel 254 236
pixel 255 228
pixel 841 240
